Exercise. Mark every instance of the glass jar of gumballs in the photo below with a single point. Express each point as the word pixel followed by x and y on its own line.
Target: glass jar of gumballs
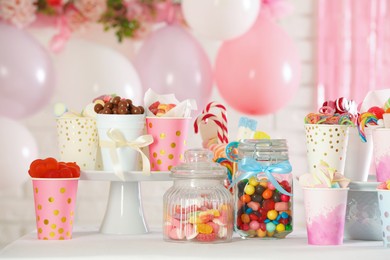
pixel 198 208
pixel 262 188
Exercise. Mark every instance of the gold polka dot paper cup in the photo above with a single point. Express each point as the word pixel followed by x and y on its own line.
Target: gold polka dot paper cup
pixel 170 136
pixel 78 142
pixel 328 143
pixel 384 208
pixel 55 201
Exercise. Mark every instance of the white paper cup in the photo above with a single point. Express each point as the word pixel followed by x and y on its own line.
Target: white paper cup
pixel 359 155
pixel 325 215
pixel 131 127
pixel 384 207
pixel 386 120
pixel 328 143
pixel 381 145
pixel 78 141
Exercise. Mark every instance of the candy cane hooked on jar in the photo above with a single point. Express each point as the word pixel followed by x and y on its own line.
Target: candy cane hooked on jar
pixel 215 119
pixel 223 116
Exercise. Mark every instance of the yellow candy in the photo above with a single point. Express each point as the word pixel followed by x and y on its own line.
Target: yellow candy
pixel 261 135
pixel 261 233
pixel 388 186
pixel 204 228
pixel 272 214
pixel 253 181
pixel 249 189
pixel 280 227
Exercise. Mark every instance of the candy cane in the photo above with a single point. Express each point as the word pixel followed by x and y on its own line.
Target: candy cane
pixel 209 116
pixel 223 116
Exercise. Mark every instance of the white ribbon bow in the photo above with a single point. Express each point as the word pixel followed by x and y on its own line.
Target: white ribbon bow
pixel 117 141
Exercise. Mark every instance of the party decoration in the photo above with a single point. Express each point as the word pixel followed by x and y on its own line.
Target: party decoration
pixel 18 149
pixel 128 19
pixel 220 20
pixel 259 72
pixel 172 61
pixel 27 77
pixel 87 69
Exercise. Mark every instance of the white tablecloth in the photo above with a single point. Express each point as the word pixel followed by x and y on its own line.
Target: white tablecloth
pixel 90 244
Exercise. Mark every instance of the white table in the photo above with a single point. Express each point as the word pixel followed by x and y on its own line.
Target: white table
pixel 90 244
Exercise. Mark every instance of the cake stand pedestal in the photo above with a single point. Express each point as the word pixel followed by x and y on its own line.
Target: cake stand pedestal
pixel 124 213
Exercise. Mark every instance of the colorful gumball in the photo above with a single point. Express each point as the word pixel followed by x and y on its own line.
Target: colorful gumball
pixel 377 111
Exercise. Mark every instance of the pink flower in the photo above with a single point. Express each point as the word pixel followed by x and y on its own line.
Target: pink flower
pixel 18 12
pixel 91 9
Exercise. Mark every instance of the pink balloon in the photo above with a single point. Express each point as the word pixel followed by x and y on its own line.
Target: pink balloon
pixel 259 72
pixel 26 73
pixel 18 149
pixel 172 61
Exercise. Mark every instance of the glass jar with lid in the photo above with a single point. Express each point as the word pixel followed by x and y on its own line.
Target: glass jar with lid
pixel 198 208
pixel 262 188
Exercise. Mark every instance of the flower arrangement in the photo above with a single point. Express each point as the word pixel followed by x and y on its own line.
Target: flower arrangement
pixel 129 18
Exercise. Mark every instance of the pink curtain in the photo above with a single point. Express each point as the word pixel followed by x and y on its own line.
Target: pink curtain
pixel 353 48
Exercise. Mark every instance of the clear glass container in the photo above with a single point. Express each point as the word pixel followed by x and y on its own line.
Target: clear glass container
pixel 198 208
pixel 263 189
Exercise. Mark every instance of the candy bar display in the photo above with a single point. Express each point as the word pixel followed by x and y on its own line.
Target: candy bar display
pixel 198 208
pixel 262 188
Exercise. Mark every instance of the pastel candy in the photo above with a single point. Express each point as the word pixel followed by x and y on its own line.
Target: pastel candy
pixel 281 206
pixel 176 234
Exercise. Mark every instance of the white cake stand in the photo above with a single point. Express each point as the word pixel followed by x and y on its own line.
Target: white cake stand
pixel 124 212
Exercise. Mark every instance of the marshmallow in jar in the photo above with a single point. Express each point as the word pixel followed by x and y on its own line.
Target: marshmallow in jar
pixel 198 208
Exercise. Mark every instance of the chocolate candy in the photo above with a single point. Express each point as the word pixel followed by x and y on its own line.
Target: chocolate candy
pixel 118 106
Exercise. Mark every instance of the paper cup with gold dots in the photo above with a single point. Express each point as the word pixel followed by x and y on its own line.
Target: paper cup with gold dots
pixel 55 201
pixel 78 142
pixel 327 143
pixel 384 208
pixel 170 137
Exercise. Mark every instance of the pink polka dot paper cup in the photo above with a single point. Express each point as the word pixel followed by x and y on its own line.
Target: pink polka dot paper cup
pixel 170 137
pixel 55 201
pixel 325 210
pixel 328 143
pixel 384 208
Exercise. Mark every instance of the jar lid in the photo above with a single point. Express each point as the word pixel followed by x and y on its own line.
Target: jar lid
pixel 199 165
pixel 260 149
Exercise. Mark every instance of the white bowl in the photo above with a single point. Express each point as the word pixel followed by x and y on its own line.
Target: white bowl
pixel 362 219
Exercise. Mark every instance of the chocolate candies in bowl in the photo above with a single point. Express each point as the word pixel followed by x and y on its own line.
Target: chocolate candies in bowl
pixel 262 188
pixel 198 208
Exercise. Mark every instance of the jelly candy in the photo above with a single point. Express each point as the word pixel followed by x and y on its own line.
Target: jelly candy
pixel 206 237
pixel 50 168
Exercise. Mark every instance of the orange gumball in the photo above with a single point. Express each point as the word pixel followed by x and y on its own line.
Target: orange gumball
pixel 267 194
pixel 245 198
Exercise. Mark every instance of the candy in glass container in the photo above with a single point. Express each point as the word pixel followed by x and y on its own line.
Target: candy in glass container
pixel 262 188
pixel 198 208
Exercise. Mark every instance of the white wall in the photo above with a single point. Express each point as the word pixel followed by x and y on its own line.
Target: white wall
pixel 16 204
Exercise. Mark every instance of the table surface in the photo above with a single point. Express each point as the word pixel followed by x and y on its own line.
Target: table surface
pixel 90 244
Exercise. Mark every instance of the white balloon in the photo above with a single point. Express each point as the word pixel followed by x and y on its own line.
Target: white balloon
pixel 18 149
pixel 86 70
pixel 220 19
